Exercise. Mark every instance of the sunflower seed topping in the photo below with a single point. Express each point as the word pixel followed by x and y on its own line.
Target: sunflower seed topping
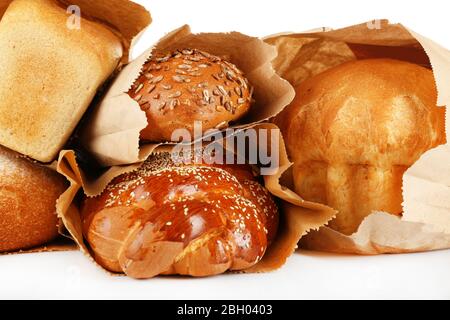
pixel 173 104
pixel 161 106
pixel 206 95
pixel 205 54
pixel 222 90
pixel 229 106
pixel 157 79
pixel 242 83
pixel 178 79
pixel 222 125
pixel 181 79
pixel 163 59
pixel 226 93
pixel 230 75
pixel 176 94
pixel 184 66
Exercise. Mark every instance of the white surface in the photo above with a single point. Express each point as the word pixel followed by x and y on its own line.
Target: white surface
pixel 306 275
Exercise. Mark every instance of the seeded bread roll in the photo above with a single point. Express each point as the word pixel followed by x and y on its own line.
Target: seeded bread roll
pixel 353 131
pixel 186 86
pixel 193 220
pixel 28 194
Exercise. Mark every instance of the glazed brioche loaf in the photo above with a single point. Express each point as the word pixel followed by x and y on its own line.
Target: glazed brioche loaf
pixel 178 88
pixel 353 130
pixel 193 220
pixel 28 194
pixel 49 75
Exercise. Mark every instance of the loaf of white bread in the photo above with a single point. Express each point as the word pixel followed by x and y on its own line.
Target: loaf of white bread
pixel 50 73
pixel 354 130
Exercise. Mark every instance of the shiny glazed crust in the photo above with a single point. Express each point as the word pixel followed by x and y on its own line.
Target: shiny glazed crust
pixel 196 220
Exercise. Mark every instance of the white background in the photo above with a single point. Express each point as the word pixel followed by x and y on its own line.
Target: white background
pixel 265 17
pixel 306 275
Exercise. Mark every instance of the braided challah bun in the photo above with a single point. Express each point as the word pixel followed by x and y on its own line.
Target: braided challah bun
pixel 191 219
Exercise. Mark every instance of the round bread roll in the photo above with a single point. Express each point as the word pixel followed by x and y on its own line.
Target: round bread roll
pixel 196 220
pixel 28 194
pixel 186 86
pixel 354 130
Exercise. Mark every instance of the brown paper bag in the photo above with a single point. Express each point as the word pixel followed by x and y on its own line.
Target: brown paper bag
pixel 425 224
pixel 112 132
pixel 112 135
pixel 297 216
